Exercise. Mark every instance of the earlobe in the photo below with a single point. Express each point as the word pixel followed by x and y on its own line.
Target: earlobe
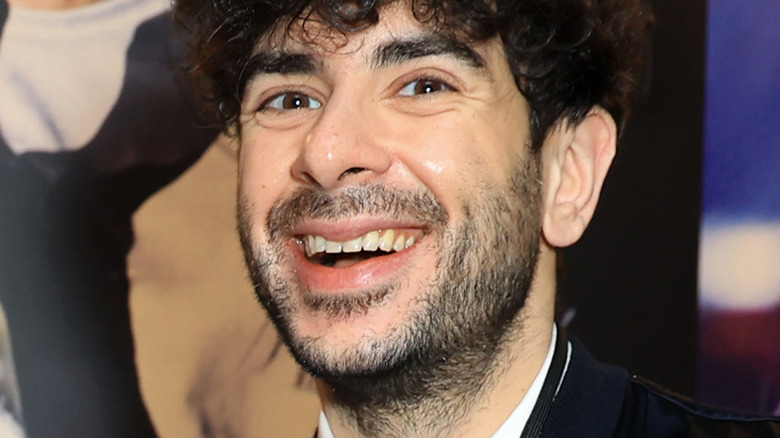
pixel 576 159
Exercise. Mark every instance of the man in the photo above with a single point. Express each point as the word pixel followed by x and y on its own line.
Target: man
pixel 407 173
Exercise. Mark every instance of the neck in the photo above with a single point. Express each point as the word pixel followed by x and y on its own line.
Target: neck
pixel 447 402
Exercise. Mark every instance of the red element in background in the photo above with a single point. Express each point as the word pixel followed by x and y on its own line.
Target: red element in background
pixel 739 359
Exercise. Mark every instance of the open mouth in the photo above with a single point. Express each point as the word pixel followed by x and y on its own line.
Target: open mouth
pixel 373 244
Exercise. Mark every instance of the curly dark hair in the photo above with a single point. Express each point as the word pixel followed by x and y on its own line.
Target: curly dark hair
pixel 567 56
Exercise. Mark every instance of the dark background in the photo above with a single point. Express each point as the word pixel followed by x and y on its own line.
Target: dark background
pixel 631 282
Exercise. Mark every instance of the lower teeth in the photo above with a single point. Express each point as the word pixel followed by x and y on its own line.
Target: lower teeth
pixel 345 260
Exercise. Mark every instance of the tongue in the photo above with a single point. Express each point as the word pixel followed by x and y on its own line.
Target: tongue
pixel 345 263
pixel 347 260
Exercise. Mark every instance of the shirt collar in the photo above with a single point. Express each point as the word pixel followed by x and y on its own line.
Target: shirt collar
pixel 323 429
pixel 513 426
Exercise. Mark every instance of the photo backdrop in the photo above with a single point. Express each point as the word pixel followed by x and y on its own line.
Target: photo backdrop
pixel 681 289
pixel 739 301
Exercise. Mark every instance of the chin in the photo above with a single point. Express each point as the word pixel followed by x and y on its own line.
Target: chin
pixel 355 334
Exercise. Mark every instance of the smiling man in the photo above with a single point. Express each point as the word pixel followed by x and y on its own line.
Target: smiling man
pixel 407 172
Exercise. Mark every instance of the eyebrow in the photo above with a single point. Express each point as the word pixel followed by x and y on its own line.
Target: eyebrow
pixel 391 53
pixel 400 51
pixel 276 62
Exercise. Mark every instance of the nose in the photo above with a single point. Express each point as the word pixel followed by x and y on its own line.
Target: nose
pixel 342 147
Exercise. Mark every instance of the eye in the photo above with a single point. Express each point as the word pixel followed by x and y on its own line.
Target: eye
pixel 290 101
pixel 424 86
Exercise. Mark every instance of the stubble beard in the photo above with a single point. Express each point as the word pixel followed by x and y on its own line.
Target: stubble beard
pixel 425 371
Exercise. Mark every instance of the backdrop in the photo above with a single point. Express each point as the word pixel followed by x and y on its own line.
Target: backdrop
pixel 739 303
pixel 675 286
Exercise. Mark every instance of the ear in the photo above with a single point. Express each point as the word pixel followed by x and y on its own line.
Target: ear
pixel 575 162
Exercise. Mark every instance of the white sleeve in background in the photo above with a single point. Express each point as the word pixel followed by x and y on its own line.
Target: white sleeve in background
pixel 61 72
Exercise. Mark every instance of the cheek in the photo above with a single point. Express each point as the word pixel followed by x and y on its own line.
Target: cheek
pixel 264 174
pixel 453 158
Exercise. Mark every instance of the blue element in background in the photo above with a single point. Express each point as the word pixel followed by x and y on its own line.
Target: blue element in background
pixel 742 115
pixel 738 354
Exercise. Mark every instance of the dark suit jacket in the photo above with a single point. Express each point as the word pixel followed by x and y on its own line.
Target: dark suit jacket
pixel 600 401
pixel 604 401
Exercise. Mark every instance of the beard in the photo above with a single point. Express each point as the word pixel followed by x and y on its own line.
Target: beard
pixel 452 334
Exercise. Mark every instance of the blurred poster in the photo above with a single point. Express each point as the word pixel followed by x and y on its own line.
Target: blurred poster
pixel 121 275
pixel 739 302
pixel 10 406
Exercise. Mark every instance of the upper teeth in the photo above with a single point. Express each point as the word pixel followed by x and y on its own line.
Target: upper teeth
pixel 387 240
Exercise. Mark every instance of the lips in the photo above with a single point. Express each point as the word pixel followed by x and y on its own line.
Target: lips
pixel 329 260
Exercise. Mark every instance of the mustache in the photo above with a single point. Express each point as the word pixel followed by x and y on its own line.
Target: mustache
pixel 372 199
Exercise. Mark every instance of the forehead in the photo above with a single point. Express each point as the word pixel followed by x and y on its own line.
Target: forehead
pixel 312 34
pixel 309 46
pixel 397 36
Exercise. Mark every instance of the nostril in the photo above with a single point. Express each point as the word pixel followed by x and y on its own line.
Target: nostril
pixel 308 178
pixel 351 170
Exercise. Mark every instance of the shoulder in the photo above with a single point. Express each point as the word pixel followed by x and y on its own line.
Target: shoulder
pixel 652 411
pixel 599 400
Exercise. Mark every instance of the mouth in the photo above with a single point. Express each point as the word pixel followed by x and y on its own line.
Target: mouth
pixel 373 244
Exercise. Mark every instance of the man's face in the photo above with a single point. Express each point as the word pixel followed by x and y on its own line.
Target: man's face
pixel 389 201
